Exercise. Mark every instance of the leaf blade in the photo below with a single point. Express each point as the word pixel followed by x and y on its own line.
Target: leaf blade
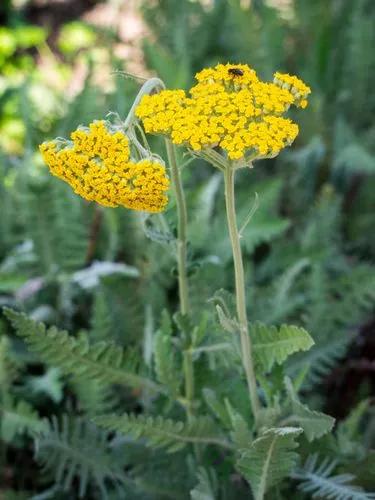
pixel 269 459
pixel 273 346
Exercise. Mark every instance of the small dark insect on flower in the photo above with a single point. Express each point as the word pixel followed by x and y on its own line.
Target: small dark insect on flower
pixel 235 71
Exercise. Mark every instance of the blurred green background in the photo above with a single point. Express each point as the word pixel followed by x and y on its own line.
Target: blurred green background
pixel 309 250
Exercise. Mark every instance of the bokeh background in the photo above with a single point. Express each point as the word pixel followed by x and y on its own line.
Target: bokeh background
pixel 309 250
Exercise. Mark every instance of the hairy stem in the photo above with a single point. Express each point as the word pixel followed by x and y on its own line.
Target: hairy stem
pixel 189 380
pixel 181 264
pixel 246 348
pixel 152 85
pixel 181 228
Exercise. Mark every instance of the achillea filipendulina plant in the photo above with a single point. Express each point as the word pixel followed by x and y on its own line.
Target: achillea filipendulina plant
pixel 230 118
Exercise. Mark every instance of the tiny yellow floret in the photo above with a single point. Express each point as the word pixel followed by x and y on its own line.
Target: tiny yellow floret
pixel 229 108
pixel 97 165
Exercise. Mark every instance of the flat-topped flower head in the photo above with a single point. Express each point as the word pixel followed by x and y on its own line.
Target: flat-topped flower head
pixel 229 108
pixel 97 165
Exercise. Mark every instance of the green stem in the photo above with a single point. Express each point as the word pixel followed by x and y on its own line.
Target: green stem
pixel 181 229
pixel 150 86
pixel 246 347
pixel 181 264
pixel 189 380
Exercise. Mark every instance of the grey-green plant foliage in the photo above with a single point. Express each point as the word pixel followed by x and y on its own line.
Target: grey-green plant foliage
pixel 91 368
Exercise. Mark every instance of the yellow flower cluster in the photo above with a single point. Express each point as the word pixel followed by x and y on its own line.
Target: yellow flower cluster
pixel 229 108
pixel 97 166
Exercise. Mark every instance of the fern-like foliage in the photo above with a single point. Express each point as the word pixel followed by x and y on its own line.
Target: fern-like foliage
pixel 207 486
pixel 101 317
pixel 272 345
pixel 19 417
pixel 164 433
pixel 119 308
pixel 280 301
pixel 335 308
pixel 165 359
pixel 317 480
pixel 269 459
pixel 314 424
pixel 350 441
pixel 103 361
pixel 70 228
pixel 358 63
pixel 216 406
pixel 77 449
pixel 321 359
pixel 55 224
pixel 355 290
pixel 94 397
pixel 8 366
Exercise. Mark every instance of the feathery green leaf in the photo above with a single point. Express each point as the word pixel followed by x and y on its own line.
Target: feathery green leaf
pixel 206 489
pixel 317 481
pixel 269 459
pixel 272 345
pixel 103 361
pixel 164 433
pixel 77 449
pixel 19 417
pixel 166 368
pixel 313 423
